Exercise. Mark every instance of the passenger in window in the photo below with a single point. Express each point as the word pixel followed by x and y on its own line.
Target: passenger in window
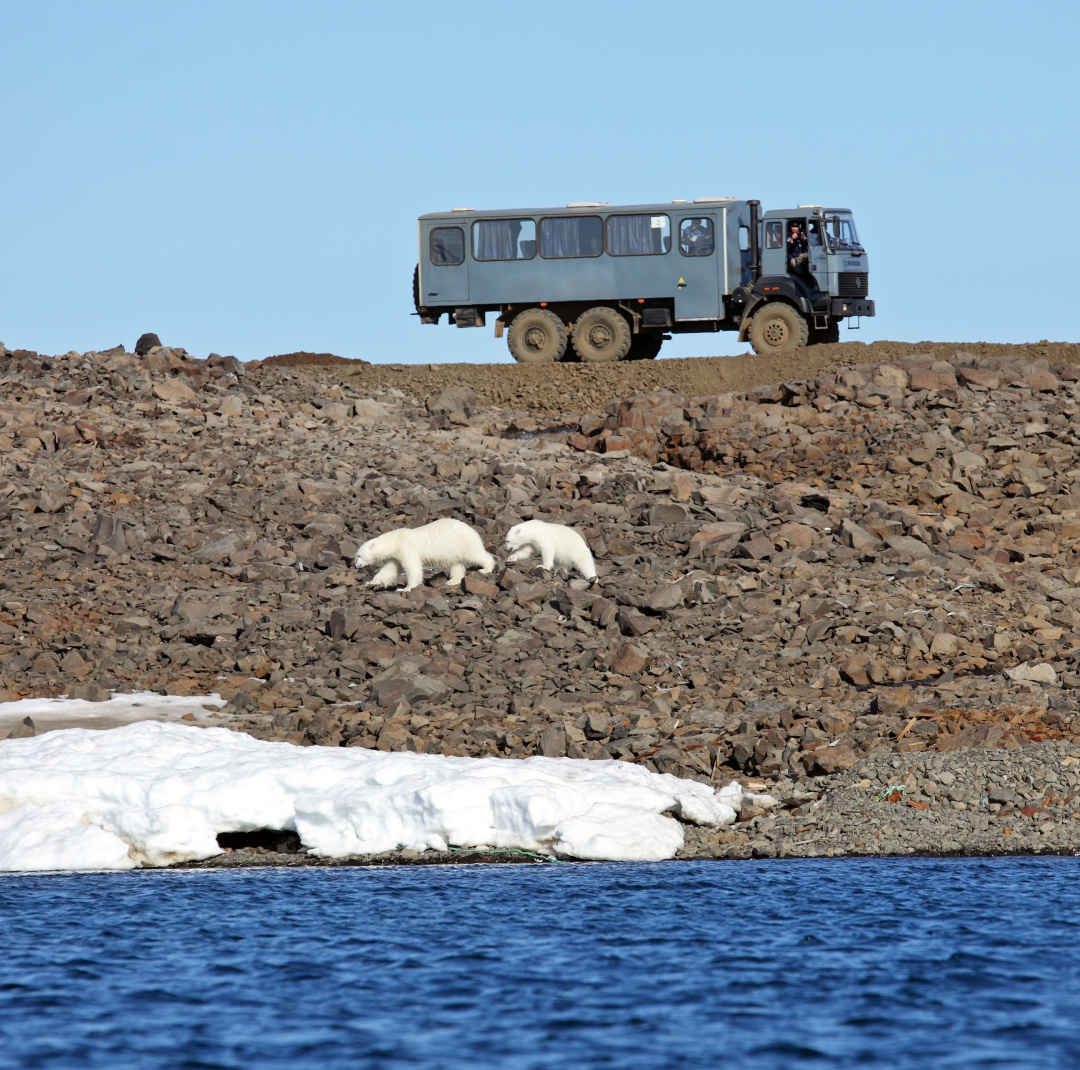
pixel 796 249
pixel 695 238
pixel 798 253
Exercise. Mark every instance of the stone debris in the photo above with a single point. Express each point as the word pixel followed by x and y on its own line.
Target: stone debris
pixel 793 579
pixel 987 802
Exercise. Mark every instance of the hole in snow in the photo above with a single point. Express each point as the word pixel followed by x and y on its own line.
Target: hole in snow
pixel 281 840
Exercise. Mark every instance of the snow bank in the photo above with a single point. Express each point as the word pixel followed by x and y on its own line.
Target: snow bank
pixel 154 793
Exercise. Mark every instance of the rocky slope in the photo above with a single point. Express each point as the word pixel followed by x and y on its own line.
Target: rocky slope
pixel 801 583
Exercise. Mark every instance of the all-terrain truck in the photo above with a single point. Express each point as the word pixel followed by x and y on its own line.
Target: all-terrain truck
pixel 596 282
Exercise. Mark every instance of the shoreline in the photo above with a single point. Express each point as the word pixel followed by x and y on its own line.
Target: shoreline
pixel 854 815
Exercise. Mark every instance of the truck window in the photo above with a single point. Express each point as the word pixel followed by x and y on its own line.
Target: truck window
pixel 696 237
pixel 447 246
pixel 504 239
pixel 576 235
pixel 840 231
pixel 638 235
pixel 744 239
pixel 774 234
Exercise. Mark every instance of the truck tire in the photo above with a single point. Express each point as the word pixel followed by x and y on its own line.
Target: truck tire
pixel 601 335
pixel 825 335
pixel 536 336
pixel 645 346
pixel 778 328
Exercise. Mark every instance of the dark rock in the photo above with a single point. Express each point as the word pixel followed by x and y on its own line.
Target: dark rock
pixel 666 596
pixel 415 688
pixel 630 659
pixel 145 343
pixel 552 743
pixel 668 513
pixel 344 622
pixel 23 730
pixel 89 693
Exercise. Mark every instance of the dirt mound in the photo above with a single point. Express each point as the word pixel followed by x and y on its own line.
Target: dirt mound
pixel 308 360
pixel 561 388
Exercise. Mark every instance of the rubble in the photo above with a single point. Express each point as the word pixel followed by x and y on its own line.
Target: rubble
pixel 794 578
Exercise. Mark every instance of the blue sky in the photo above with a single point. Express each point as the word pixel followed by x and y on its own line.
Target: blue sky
pixel 245 177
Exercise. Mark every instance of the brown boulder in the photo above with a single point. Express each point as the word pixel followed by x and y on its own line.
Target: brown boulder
pixel 630 659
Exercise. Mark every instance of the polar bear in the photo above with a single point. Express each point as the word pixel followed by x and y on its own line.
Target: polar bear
pixel 558 546
pixel 446 544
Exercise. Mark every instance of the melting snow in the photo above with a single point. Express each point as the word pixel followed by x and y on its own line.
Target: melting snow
pixel 52 713
pixel 155 793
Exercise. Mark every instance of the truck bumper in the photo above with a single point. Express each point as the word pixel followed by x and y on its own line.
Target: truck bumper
pixel 846 306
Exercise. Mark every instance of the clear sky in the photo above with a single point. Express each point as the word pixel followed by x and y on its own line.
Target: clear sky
pixel 245 177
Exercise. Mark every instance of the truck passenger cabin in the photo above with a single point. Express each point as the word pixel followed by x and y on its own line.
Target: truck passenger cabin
pixel 595 282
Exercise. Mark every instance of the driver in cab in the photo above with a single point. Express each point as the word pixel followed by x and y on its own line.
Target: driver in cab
pixel 798 252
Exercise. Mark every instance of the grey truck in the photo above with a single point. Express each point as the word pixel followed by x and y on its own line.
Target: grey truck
pixel 597 282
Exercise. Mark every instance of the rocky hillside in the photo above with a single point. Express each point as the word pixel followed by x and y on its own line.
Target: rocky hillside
pixel 879 558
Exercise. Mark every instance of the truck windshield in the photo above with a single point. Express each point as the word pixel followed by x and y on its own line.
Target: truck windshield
pixel 840 231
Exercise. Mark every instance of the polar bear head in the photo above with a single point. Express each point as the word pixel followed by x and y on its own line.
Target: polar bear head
pixel 517 537
pixel 367 554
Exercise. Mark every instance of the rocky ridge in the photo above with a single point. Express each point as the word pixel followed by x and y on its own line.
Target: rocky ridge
pixel 800 583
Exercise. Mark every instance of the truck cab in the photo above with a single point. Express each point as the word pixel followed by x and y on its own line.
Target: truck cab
pixel 812 260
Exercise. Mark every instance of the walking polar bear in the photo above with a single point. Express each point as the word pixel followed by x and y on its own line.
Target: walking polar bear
pixel 557 545
pixel 446 544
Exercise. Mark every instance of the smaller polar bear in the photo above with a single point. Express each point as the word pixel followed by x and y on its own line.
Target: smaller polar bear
pixel 446 544
pixel 557 545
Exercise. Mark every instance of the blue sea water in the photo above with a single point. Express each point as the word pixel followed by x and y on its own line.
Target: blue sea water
pixel 891 963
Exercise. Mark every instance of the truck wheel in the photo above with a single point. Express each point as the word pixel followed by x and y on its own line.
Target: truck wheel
pixel 778 328
pixel 645 346
pixel 536 336
pixel 825 335
pixel 601 335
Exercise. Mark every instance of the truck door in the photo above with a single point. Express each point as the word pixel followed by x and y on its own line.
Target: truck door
pixel 819 262
pixel 774 248
pixel 697 293
pixel 445 278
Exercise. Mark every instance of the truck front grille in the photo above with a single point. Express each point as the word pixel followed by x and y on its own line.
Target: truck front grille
pixel 854 283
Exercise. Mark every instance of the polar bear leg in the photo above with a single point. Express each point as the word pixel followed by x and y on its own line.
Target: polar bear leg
pixel 414 570
pixel 457 574
pixel 547 558
pixel 520 555
pixel 386 576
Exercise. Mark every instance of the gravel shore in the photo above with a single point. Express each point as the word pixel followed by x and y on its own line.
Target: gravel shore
pixel 856 588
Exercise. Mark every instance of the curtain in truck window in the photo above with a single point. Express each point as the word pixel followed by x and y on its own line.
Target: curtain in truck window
pixel 638 235
pixel 447 246
pixel 504 239
pixel 579 235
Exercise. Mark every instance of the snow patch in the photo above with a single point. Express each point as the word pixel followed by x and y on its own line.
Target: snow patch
pixel 154 793
pixel 52 713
